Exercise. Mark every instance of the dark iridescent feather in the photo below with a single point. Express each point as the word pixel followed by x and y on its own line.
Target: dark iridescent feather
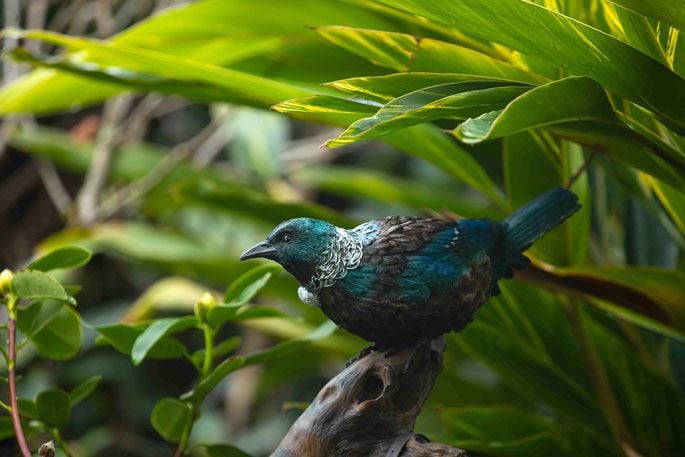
pixel 405 277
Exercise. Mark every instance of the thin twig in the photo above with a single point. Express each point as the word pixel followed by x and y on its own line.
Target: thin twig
pixel 140 116
pixel 36 12
pixel 104 18
pixel 12 15
pixel 113 112
pixel 580 170
pixel 53 185
pixel 140 187
pixel 208 150
pixel 16 421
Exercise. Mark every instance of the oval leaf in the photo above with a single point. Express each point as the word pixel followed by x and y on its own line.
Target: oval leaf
pixel 62 258
pixel 155 332
pixel 170 418
pixel 245 287
pixel 53 407
pixel 34 285
pixel 53 328
pixel 83 390
pixel 208 384
pixel 122 337
pixel 28 408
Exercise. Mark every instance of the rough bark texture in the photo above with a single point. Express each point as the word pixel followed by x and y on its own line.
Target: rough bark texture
pixel 369 409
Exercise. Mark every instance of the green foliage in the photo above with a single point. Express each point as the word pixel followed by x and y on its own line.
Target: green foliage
pixel 171 418
pixel 36 285
pixel 64 258
pixel 53 407
pixel 41 307
pixel 489 103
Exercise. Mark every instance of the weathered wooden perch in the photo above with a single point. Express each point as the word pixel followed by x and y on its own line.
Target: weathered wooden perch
pixel 369 409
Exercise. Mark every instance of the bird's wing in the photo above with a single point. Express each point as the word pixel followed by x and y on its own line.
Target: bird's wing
pixel 417 257
pixel 416 236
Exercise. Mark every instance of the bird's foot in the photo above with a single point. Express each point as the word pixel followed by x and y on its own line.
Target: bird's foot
pixel 406 344
pixel 363 353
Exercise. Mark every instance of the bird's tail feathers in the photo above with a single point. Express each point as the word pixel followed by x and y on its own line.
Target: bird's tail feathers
pixel 535 219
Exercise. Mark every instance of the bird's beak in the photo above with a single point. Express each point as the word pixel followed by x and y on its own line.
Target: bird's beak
pixel 263 249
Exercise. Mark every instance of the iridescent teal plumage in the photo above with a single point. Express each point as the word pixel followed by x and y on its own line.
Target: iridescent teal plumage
pixel 406 277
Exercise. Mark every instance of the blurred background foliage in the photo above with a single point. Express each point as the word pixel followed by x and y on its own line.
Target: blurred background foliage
pixel 141 129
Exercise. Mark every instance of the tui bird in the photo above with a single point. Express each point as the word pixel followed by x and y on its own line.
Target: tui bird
pixel 402 278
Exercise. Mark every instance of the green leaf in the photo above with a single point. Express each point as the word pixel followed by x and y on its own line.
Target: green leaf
pixel 620 144
pixel 503 431
pixel 666 11
pixel 28 408
pixel 219 450
pixel 525 182
pixel 53 328
pixel 322 331
pixel 569 44
pixel 243 289
pixel 407 53
pixel 525 339
pixel 426 142
pixel 208 384
pixel 577 229
pixel 53 407
pixel 672 200
pixel 84 390
pixel 656 293
pixel 152 335
pixel 636 30
pixel 230 365
pixel 254 204
pixel 445 101
pixel 222 313
pixel 6 428
pixel 122 337
pixel 627 376
pixel 260 91
pixel 387 87
pixel 225 347
pixel 36 285
pixel 429 143
pixel 366 184
pixel 215 32
pixel 569 99
pixel 171 417
pixel 578 109
pixel 62 258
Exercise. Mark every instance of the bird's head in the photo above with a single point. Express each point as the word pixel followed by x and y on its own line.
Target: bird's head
pixel 297 244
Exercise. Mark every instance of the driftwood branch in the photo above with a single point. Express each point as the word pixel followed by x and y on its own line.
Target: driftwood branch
pixel 370 408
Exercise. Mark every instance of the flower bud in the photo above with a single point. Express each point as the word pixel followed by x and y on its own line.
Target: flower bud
pixel 5 281
pixel 203 305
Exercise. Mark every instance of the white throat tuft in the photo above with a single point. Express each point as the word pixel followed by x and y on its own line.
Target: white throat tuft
pixel 344 253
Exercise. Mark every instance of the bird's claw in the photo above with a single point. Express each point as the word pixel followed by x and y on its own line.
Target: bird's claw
pixel 363 353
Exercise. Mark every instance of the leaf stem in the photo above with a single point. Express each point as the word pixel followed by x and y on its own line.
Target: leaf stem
pixel 16 421
pixel 209 346
pixel 60 442
pixel 6 407
pixel 205 370
pixel 580 170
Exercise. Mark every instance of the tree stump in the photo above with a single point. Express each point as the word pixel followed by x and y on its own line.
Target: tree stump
pixel 369 409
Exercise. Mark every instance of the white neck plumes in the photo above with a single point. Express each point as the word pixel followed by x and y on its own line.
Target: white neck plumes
pixel 344 253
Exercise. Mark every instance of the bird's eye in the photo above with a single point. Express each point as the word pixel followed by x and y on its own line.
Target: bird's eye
pixel 286 238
